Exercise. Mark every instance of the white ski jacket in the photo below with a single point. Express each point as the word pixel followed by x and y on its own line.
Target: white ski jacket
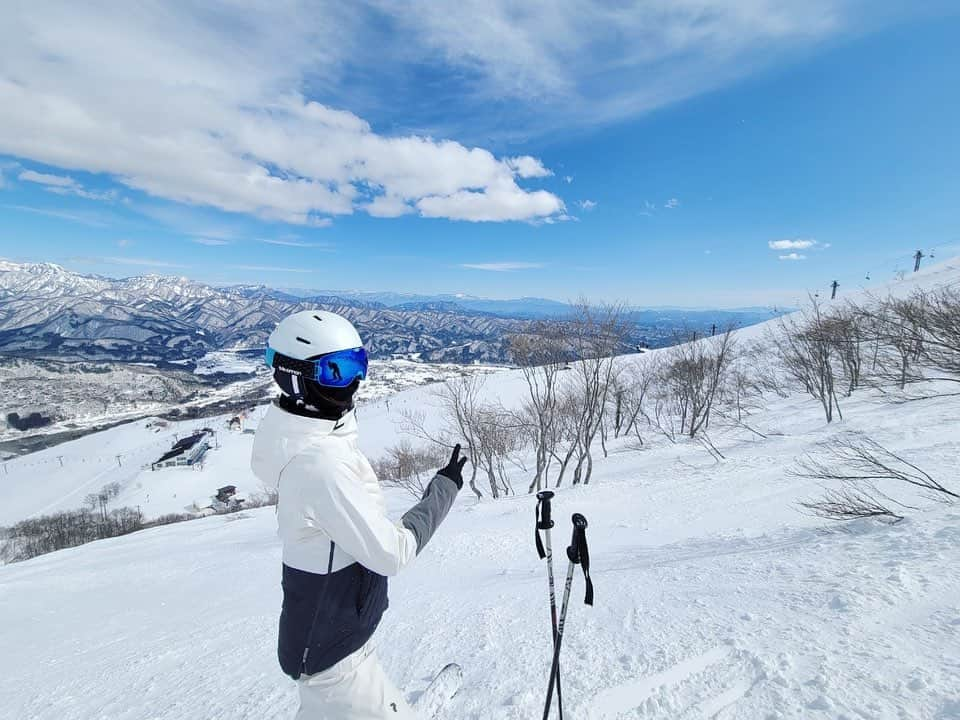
pixel 339 546
pixel 327 492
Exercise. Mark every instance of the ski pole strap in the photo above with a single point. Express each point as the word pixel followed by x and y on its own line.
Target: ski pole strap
pixel 544 521
pixel 579 554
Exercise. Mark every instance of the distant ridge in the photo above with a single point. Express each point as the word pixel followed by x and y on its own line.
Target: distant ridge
pixel 49 312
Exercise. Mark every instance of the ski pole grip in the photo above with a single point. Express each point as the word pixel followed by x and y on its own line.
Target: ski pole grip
pixel 578 553
pixel 544 521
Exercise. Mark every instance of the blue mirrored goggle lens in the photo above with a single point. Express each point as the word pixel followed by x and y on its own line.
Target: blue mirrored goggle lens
pixel 339 369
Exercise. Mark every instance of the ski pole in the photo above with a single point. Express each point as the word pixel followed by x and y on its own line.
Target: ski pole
pixel 577 554
pixel 545 523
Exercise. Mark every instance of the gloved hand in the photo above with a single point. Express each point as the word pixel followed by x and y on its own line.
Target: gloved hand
pixel 454 468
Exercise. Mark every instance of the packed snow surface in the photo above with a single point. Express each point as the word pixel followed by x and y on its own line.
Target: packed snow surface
pixel 715 596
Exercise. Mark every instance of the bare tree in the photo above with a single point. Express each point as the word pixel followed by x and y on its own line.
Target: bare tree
pixel 941 323
pixel 803 344
pixel 542 354
pixel 266 497
pixel 69 528
pixel 855 458
pixel 855 465
pixel 850 502
pixel 929 323
pixel 465 418
pixel 695 376
pixel 409 468
pixel 567 431
pixel 597 334
pixel 497 440
pixel 632 392
pixel 749 381
pixel 847 328
pixel 897 325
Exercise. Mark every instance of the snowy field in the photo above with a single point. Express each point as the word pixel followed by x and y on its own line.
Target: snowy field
pixel 228 361
pixel 88 395
pixel 715 596
pixel 59 477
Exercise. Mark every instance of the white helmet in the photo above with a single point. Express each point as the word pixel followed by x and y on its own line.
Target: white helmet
pixel 309 333
pixel 317 359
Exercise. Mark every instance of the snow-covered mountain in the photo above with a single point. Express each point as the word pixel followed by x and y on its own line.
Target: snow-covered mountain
pixel 531 307
pixel 49 312
pixel 715 596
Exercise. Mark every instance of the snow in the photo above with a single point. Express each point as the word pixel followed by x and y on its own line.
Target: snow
pixel 715 596
pixel 71 470
pixel 228 361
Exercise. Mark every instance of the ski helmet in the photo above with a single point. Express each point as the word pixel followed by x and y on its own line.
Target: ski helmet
pixel 318 358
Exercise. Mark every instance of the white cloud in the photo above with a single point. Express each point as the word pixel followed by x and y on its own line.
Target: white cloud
pixel 672 203
pixel 91 219
pixel 793 256
pixel 583 62
pixel 648 208
pixel 209 241
pixel 64 185
pixel 292 242
pixel 44 179
pixel 587 204
pixel 192 222
pixel 388 206
pixel 502 266
pixel 527 167
pixel 124 242
pixel 143 262
pixel 553 219
pixel 505 201
pixel 568 179
pixel 239 136
pixel 270 268
pixel 795 244
pixel 108 195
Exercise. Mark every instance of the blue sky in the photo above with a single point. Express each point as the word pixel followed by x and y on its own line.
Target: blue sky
pixel 663 153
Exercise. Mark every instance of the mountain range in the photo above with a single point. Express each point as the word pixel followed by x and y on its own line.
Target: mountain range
pixel 525 307
pixel 49 312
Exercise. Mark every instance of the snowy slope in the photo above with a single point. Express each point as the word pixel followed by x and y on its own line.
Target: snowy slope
pixel 943 274
pixel 59 477
pixel 715 597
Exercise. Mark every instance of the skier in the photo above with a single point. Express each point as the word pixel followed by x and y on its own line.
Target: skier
pixel 338 544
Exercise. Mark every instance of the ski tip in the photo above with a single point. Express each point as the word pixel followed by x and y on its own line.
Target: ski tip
pixel 453 669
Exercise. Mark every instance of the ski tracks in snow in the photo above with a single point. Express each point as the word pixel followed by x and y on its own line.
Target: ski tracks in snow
pixel 701 686
pixel 867 636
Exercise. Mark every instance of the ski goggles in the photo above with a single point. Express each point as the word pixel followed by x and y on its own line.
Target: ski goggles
pixel 336 369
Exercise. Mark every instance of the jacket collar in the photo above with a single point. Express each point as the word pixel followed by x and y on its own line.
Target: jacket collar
pixel 312 427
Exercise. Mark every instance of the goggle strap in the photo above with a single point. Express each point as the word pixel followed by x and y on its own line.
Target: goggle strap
pixel 302 368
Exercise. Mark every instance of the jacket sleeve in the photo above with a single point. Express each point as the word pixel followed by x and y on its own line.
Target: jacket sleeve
pixel 340 506
pixel 424 517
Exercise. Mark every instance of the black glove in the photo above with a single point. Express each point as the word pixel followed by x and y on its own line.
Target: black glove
pixel 454 468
